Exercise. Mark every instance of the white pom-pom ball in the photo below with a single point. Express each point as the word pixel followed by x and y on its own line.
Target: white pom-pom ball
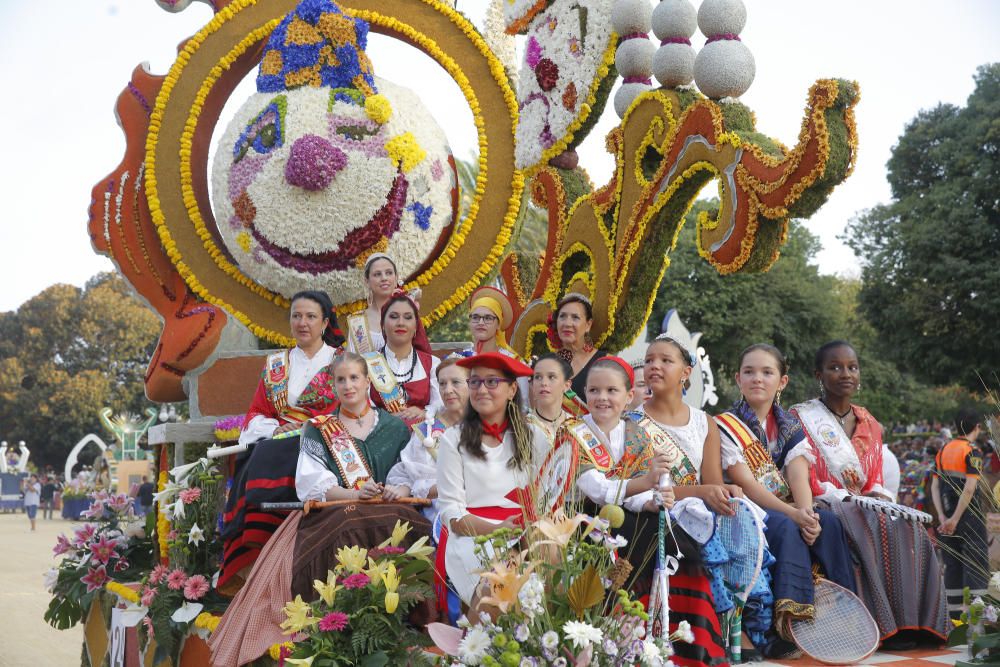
pixel 429 442
pixel 628 16
pixel 724 68
pixel 718 17
pixel 634 58
pixel 673 65
pixel 674 18
pixel 626 94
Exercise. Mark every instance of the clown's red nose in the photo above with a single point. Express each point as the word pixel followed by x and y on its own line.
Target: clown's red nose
pixel 313 163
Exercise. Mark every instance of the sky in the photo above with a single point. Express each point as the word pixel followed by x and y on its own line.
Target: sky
pixel 62 137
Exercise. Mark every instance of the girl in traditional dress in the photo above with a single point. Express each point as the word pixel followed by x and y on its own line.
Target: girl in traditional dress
pixel 899 577
pixel 569 332
pixel 364 329
pixel 346 455
pixel 762 447
pixel 695 471
pixel 403 372
pixel 485 464
pixel 490 313
pixel 419 458
pixel 295 386
pixel 549 384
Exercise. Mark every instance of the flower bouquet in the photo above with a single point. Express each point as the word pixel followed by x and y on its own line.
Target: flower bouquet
pixel 979 626
pixel 111 547
pixel 556 597
pixel 360 615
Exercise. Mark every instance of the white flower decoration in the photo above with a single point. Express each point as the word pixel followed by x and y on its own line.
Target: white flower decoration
pixel 473 646
pixel 582 634
pixel 196 536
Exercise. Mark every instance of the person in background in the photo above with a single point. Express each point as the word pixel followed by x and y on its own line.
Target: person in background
pixel 32 496
pixel 957 469
pixel 569 333
pixel 145 495
pixel 641 392
pixel 47 495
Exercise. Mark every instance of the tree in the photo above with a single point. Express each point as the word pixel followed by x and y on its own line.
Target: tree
pixel 65 354
pixel 931 257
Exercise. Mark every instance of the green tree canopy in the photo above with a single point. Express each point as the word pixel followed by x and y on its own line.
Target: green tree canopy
pixel 931 257
pixel 65 354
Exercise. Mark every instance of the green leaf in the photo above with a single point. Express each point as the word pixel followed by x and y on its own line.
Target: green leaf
pixel 378 659
pixel 991 640
pixel 959 636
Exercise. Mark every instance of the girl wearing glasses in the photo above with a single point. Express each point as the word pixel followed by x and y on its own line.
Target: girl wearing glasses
pixel 482 463
pixel 490 313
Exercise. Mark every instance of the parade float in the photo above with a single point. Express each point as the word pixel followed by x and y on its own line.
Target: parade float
pixel 326 163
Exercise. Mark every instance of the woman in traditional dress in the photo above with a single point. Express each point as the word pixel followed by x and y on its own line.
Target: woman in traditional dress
pixel 403 372
pixel 490 313
pixel 569 332
pixel 762 447
pixel 295 386
pixel 695 471
pixel 899 577
pixel 364 329
pixel 485 466
pixel 549 384
pixel 344 456
pixel 419 458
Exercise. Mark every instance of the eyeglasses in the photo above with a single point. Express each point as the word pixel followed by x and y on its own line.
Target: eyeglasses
pixel 490 382
pixel 486 319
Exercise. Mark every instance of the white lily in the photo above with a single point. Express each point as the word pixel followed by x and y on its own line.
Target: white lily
pixel 180 473
pixel 197 535
pixel 50 578
pixel 177 509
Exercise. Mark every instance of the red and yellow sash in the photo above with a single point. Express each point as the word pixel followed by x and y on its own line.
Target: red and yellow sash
pixel 589 443
pixel 757 457
pixel 351 465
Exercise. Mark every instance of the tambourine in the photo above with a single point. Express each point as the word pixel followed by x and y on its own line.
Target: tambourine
pixel 894 510
pixel 556 475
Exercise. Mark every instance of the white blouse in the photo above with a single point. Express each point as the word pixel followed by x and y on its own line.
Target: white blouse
pixel 402 367
pixel 465 481
pixel 691 436
pixel 417 468
pixel 597 486
pixel 301 371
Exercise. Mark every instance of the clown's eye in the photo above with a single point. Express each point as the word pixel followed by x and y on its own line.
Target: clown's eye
pixel 267 136
pixel 355 132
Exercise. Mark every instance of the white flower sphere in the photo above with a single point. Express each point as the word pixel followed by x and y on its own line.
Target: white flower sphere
pixel 634 58
pixel 305 183
pixel 674 18
pixel 718 17
pixel 625 96
pixel 628 16
pixel 673 65
pixel 724 68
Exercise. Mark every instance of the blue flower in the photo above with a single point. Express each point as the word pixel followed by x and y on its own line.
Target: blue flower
pixel 421 214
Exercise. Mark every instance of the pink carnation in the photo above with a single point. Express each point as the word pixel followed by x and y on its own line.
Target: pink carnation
pixel 334 621
pixel 148 595
pixel 196 587
pixel 158 573
pixel 188 496
pixel 176 580
pixel 359 580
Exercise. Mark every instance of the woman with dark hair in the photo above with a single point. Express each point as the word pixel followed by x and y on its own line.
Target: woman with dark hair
pixel 382 280
pixel 482 464
pixel 762 447
pixel 295 386
pixel 899 577
pixel 550 381
pixel 344 456
pixel 403 370
pixel 569 332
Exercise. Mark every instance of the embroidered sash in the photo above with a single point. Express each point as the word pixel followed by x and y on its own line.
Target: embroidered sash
pixel 682 471
pixel 579 432
pixel 574 405
pixel 276 380
pixel 351 465
pixel 384 382
pixel 358 334
pixel 757 457
pixel 833 445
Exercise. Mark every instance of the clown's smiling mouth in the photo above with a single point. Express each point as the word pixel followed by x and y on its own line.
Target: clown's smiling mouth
pixel 384 224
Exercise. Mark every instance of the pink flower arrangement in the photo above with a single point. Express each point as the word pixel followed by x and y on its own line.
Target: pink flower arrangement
pixel 148 595
pixel 176 580
pixel 121 565
pixel 335 621
pixel 387 550
pixel 119 503
pixel 188 496
pixel 83 535
pixel 359 580
pixel 103 549
pixel 63 546
pixel 95 578
pixel 158 573
pixel 196 587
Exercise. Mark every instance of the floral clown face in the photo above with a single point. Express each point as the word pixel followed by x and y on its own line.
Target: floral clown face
pixel 308 182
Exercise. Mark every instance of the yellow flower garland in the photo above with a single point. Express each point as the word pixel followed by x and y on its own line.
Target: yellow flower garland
pixel 122 591
pixel 162 523
pixel 431 48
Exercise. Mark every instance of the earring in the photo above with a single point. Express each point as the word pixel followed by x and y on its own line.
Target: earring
pixel 588 343
pixel 822 390
pixel 859 387
pixel 777 398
